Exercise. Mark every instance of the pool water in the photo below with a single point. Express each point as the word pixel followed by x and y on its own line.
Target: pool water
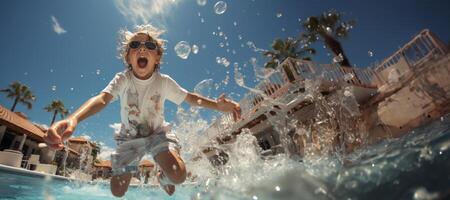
pixel 416 166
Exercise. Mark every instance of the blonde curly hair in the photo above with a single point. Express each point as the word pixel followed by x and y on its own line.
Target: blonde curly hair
pixel 124 37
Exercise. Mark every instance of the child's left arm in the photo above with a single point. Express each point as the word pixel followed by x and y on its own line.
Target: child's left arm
pixel 221 104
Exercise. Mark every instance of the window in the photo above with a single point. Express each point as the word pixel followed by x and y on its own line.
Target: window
pixel 24 149
pixel 7 140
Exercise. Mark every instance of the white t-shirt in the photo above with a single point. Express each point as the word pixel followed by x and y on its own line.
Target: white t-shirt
pixel 142 102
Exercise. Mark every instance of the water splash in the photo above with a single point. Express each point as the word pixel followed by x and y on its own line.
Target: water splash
pixel 339 58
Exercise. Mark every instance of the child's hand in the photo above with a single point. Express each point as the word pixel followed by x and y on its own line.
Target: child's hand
pixel 59 132
pixel 227 105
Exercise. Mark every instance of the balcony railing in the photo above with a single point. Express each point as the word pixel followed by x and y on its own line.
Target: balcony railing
pixel 423 47
pixel 287 79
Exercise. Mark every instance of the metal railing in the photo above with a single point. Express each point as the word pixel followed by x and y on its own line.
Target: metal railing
pixel 423 47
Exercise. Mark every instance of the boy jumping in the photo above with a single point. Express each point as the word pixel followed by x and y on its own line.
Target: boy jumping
pixel 142 90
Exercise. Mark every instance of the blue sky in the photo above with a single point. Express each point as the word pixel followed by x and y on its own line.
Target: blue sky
pixel 76 60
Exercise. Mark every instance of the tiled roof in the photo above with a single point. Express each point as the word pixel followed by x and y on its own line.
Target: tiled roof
pixel 146 163
pixel 78 140
pixel 82 140
pixel 73 151
pixel 19 124
pixel 102 163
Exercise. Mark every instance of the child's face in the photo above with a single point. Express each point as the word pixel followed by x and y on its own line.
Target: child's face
pixel 142 59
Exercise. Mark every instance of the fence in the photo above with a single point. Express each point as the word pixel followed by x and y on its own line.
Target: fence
pixel 423 47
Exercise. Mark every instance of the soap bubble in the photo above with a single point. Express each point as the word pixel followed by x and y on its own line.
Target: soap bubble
pixel 220 7
pixel 183 49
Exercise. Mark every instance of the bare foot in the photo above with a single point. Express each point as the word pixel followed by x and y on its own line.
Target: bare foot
pixel 169 188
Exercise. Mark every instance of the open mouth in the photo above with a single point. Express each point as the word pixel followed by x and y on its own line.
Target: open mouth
pixel 142 62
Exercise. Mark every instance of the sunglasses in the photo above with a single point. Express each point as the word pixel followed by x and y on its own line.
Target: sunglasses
pixel 148 44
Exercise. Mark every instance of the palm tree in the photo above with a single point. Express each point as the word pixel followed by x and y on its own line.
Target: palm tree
pixel 330 27
pixel 56 106
pixel 21 93
pixel 288 48
pixel 96 150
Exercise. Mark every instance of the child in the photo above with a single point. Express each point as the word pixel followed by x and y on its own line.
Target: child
pixel 142 90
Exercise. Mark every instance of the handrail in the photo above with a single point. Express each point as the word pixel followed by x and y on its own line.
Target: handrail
pixel 424 46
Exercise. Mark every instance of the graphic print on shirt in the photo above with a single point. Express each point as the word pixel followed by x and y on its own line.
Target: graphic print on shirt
pixel 156 98
pixel 133 112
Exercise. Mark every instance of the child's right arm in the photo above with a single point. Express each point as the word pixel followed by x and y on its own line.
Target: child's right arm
pixel 63 129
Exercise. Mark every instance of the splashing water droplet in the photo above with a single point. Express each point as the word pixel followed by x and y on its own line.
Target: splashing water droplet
pixel 71 89
pixel 348 76
pixel 299 19
pixel 54 88
pixel 328 30
pixel 97 72
pixel 220 7
pixel 423 193
pixel 218 60
pixel 202 20
pixel 183 49
pixel 195 49
pixel 201 2
pixel 226 80
pixel 81 75
pixel 279 15
pixel 235 23
pixel 283 29
pixel 255 197
pixel 225 62
pixel 238 77
pixel 221 44
pixel 339 58
pixel 370 53
pixel 347 93
pixel 277 188
pixel 240 37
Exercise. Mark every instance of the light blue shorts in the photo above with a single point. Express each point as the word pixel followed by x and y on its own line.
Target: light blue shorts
pixel 128 154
